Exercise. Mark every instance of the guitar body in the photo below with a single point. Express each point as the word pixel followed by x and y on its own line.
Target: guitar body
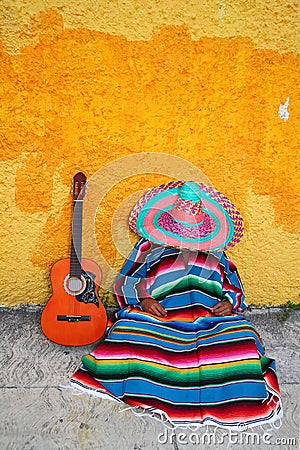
pixel 74 314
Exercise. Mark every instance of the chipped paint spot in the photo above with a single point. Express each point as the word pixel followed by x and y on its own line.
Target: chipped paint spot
pixel 283 110
pixel 222 11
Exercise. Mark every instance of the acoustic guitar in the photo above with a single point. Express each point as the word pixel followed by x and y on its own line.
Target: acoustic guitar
pixel 74 314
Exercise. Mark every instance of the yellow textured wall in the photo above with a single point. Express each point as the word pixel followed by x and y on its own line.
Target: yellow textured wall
pixel 214 84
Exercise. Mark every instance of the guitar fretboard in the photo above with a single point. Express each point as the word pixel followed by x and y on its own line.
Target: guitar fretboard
pixel 76 246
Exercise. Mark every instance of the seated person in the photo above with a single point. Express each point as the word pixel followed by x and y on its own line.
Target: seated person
pixel 179 347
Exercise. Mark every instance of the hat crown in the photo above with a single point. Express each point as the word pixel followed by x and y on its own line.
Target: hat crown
pixel 188 205
pixel 190 191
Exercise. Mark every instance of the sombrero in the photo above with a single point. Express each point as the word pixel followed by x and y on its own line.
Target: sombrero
pixel 186 214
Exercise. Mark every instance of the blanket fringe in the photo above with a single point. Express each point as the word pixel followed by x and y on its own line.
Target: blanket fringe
pixel 162 417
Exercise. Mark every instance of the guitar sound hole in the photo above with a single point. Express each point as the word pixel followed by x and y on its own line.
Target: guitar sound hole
pixel 74 285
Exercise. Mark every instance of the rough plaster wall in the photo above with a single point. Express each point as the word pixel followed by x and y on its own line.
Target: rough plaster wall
pixel 217 85
pixel 271 24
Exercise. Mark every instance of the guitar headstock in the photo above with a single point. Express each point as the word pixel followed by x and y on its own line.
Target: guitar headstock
pixel 79 186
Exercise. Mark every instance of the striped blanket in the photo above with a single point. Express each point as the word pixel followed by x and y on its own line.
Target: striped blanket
pixel 191 367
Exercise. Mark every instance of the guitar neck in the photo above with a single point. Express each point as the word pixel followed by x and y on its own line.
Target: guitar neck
pixel 76 245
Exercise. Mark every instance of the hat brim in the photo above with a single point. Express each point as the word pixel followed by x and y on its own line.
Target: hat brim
pixel 226 231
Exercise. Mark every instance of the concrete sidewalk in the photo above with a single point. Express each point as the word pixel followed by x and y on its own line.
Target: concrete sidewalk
pixel 38 410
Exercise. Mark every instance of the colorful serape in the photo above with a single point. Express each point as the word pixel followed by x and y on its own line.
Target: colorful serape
pixel 191 367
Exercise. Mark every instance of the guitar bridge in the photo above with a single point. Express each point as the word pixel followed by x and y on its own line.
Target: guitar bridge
pixel 74 318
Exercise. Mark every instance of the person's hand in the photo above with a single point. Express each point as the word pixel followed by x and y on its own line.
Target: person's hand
pixel 222 308
pixel 151 306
